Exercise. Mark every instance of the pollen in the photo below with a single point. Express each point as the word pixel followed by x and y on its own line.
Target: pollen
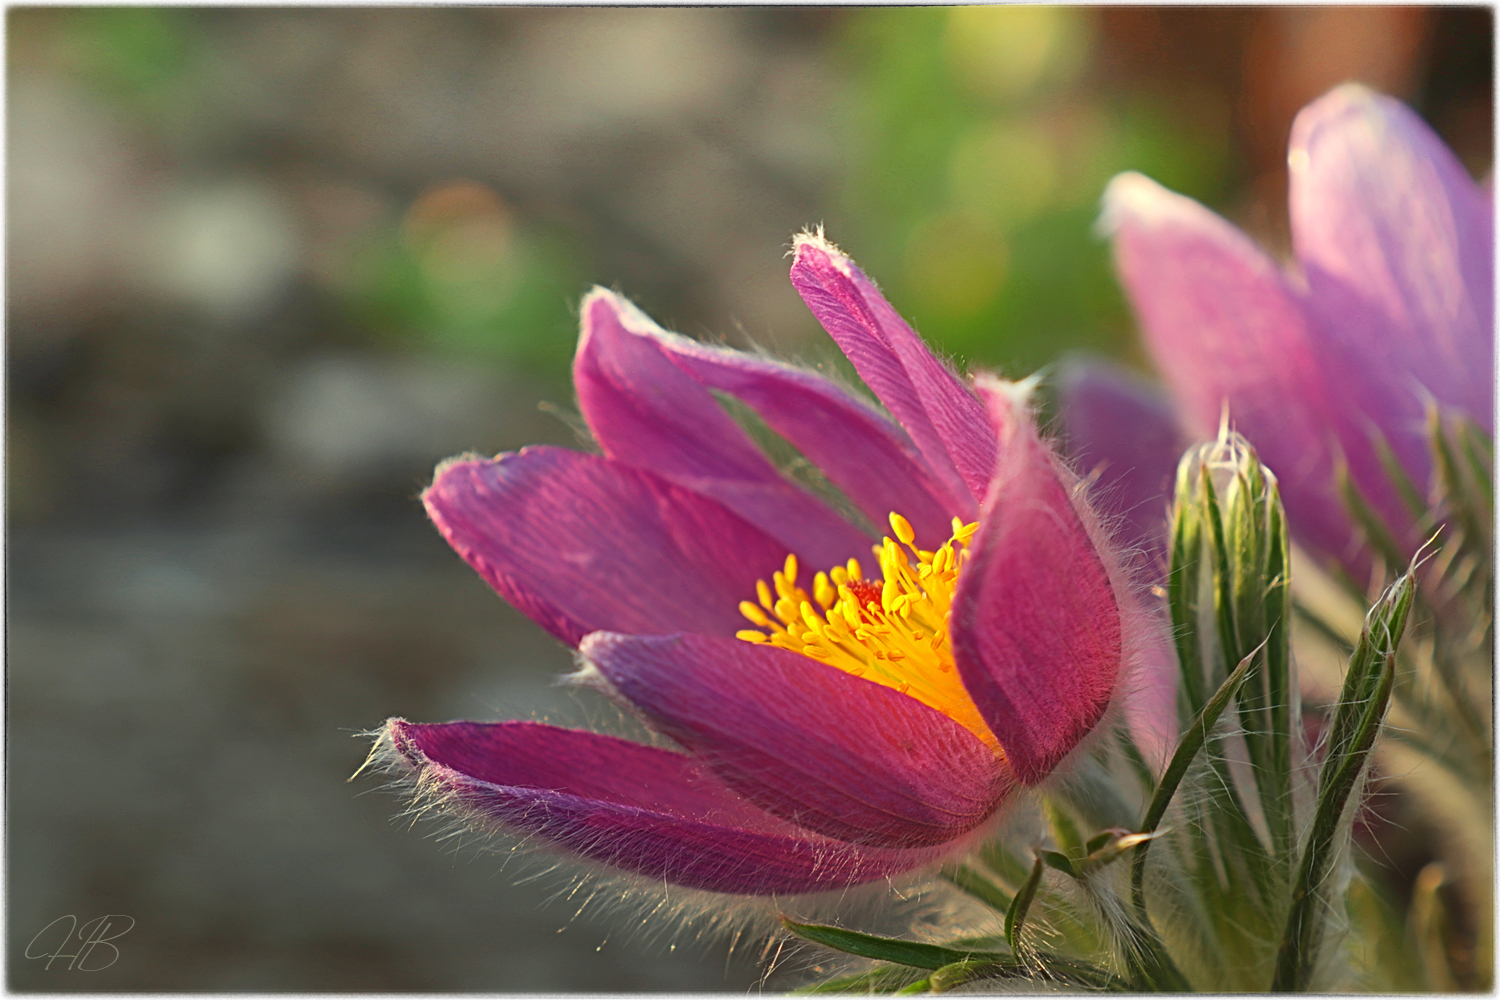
pixel 892 630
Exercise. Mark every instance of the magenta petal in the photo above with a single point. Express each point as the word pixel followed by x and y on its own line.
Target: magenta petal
pixel 944 419
pixel 822 748
pixel 1121 429
pixel 859 449
pixel 644 810
pixel 1035 621
pixel 580 543
pixel 1397 241
pixel 1222 324
pixel 647 412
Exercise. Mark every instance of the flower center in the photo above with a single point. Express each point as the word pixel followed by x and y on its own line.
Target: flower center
pixel 893 630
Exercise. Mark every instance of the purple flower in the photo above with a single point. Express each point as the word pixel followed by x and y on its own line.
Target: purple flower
pixel 1386 311
pixel 833 730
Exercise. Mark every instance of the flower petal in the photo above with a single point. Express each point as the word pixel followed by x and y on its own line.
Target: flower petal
pixel 1122 428
pixel 859 449
pixel 1035 621
pixel 579 543
pixel 647 412
pixel 944 419
pixel 822 748
pixel 633 807
pixel 1222 324
pixel 1397 241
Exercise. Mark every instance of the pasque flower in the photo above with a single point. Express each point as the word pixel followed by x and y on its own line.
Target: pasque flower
pixel 845 710
pixel 1386 312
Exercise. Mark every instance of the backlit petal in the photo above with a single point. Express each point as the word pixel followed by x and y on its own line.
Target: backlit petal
pixel 1222 324
pixel 941 415
pixel 1397 242
pixel 858 448
pixel 1035 622
pixel 647 412
pixel 1121 429
pixel 637 808
pixel 815 745
pixel 579 543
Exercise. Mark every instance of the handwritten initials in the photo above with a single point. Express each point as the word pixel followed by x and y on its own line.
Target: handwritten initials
pixel 97 933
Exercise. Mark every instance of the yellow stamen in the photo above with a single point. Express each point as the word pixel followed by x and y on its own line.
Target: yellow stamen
pixel 823 591
pixel 902 527
pixel 892 630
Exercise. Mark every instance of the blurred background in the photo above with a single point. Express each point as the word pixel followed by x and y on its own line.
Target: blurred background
pixel 267 266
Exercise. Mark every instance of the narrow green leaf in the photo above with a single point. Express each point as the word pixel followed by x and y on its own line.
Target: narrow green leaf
pixel 1479 451
pixel 913 953
pixel 1151 967
pixel 1060 862
pixel 1411 496
pixel 1278 677
pixel 977 886
pixel 1138 764
pixel 1457 496
pixel 915 989
pixel 1192 741
pixel 1064 831
pixel 1015 917
pixel 955 975
pixel 997 858
pixel 1377 532
pixel 886 979
pixel 1045 967
pixel 1362 706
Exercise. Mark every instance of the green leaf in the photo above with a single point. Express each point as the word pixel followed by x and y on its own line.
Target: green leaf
pixel 1362 705
pixel 1192 741
pixel 1377 532
pixel 913 953
pixel 1064 831
pixel 1479 450
pixel 886 979
pixel 1411 496
pixel 955 975
pixel 1046 967
pixel 977 886
pixel 1059 862
pixel 1015 917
